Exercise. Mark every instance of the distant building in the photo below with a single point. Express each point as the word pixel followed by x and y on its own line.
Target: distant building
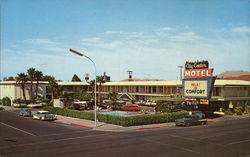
pixel 235 75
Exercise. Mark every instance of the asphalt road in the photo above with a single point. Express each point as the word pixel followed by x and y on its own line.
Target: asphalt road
pixel 21 137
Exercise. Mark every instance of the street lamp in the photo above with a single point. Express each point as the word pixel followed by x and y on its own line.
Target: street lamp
pixel 81 54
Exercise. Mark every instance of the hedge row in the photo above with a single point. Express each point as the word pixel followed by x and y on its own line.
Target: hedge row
pixel 5 101
pixel 119 120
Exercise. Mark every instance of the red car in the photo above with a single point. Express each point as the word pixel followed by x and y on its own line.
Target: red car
pixel 130 108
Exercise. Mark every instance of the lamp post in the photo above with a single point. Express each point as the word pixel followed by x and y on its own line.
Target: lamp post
pixel 81 54
pixel 180 71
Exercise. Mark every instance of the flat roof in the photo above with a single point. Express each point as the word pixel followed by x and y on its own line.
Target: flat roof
pixel 144 83
pixel 141 83
pixel 14 82
pixel 231 83
pixel 174 83
pixel 46 82
pixel 73 83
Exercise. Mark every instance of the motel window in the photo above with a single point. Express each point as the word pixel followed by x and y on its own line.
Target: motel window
pixel 141 89
pixel 160 89
pixel 174 90
pixel 167 90
pixel 136 89
pixel 216 91
pixel 154 89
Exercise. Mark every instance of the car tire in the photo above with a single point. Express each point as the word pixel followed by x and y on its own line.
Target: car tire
pixel 203 123
pixel 187 124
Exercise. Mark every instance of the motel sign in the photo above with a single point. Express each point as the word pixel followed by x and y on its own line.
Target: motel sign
pixel 198 73
pixel 198 80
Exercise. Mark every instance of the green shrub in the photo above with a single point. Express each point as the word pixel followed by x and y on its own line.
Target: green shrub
pixel 45 100
pixel 239 110
pixel 30 101
pixel 113 105
pixel 163 107
pixel 228 112
pixel 119 120
pixel 247 109
pixel 19 101
pixel 6 101
pixel 0 101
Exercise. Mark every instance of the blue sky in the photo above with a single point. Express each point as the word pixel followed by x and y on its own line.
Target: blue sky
pixel 149 37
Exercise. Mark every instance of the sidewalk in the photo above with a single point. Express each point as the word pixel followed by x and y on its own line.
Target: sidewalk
pixel 107 127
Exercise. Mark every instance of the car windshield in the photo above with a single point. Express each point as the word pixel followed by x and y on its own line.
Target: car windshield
pixel 190 116
pixel 42 112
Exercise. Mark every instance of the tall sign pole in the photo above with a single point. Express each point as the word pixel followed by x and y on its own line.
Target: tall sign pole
pixel 180 71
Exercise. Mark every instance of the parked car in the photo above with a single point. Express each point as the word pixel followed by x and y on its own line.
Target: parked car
pixel 82 105
pixel 130 108
pixel 194 119
pixel 25 112
pixel 103 105
pixel 35 105
pixel 44 115
pixel 178 106
pixel 19 105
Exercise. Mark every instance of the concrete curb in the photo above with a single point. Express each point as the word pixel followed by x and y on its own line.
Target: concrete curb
pixel 83 126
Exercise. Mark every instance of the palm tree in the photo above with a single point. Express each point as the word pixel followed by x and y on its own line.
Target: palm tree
pixel 21 79
pixel 53 86
pixel 100 80
pixel 38 77
pixel 92 87
pixel 113 96
pixel 31 75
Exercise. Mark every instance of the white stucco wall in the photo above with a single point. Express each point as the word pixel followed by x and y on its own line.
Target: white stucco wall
pixel 14 91
pixel 7 91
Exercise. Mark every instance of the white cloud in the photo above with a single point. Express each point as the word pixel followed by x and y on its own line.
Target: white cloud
pixel 91 40
pixel 109 45
pixel 40 41
pixel 42 44
pixel 114 32
pixel 135 35
pixel 55 49
pixel 186 36
pixel 167 29
pixel 6 51
pixel 242 29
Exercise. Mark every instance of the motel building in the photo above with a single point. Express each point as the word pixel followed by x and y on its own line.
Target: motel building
pixel 226 93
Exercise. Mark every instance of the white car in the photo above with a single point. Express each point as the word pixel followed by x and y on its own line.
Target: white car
pixel 44 115
pixel 19 105
pixel 35 105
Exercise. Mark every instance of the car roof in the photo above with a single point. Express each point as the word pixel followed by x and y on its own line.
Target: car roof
pixel 43 111
pixel 25 109
pixel 199 114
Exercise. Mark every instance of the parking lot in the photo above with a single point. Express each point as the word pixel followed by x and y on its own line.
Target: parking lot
pixel 23 136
